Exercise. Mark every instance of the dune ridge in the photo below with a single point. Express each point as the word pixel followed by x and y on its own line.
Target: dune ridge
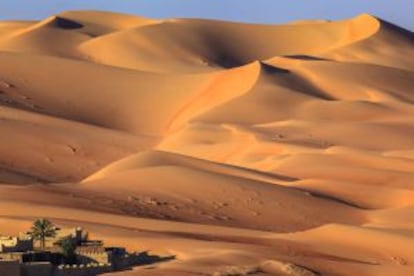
pixel 241 149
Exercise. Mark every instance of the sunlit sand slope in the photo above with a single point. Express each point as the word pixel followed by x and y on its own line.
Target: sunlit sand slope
pixel 239 149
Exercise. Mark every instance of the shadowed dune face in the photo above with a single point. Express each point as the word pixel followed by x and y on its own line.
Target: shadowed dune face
pixel 64 23
pixel 240 149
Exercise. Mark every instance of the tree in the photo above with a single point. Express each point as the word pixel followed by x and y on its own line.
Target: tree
pixel 42 229
pixel 68 248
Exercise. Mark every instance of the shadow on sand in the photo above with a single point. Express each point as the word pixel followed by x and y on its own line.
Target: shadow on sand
pixel 143 259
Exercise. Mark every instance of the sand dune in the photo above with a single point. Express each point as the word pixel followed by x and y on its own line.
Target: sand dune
pixel 209 187
pixel 240 149
pixel 189 44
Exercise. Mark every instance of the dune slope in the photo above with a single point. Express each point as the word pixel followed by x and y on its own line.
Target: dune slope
pixel 239 149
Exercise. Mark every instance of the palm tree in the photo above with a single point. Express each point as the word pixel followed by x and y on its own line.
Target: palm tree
pixel 42 229
pixel 68 248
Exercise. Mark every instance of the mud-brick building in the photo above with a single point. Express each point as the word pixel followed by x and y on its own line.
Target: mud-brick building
pixel 21 243
pixel 77 234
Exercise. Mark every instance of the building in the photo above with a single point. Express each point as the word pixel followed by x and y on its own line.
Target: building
pixel 76 234
pixel 93 254
pixel 22 243
pixel 9 268
pixel 100 254
pixel 19 258
pixel 31 257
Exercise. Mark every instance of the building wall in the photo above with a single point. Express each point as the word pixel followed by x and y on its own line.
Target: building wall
pixel 14 244
pixel 12 256
pixel 9 268
pixel 77 235
pixel 100 258
pixel 36 269
pixel 83 271
pixel 8 241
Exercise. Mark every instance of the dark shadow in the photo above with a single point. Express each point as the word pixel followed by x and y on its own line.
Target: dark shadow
pixel 332 198
pixel 306 57
pixel 141 259
pixel 121 262
pixel 144 258
pixel 273 69
pixel 402 31
pixel 227 61
pixel 64 23
pixel 294 83
pixel 334 258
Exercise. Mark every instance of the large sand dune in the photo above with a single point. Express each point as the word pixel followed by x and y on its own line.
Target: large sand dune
pixel 237 148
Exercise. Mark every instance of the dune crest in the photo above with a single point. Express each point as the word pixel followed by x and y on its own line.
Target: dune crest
pixel 237 148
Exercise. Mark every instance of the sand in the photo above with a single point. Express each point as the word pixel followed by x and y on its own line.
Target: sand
pixel 237 149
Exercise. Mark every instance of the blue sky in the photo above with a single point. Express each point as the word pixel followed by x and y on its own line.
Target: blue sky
pixel 255 11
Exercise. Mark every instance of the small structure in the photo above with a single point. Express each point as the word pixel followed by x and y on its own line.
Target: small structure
pixel 31 257
pixel 19 256
pixel 22 243
pixel 12 256
pixel 93 254
pixel 77 234
pixel 101 255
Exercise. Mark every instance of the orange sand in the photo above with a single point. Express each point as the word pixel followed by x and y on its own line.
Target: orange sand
pixel 236 148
